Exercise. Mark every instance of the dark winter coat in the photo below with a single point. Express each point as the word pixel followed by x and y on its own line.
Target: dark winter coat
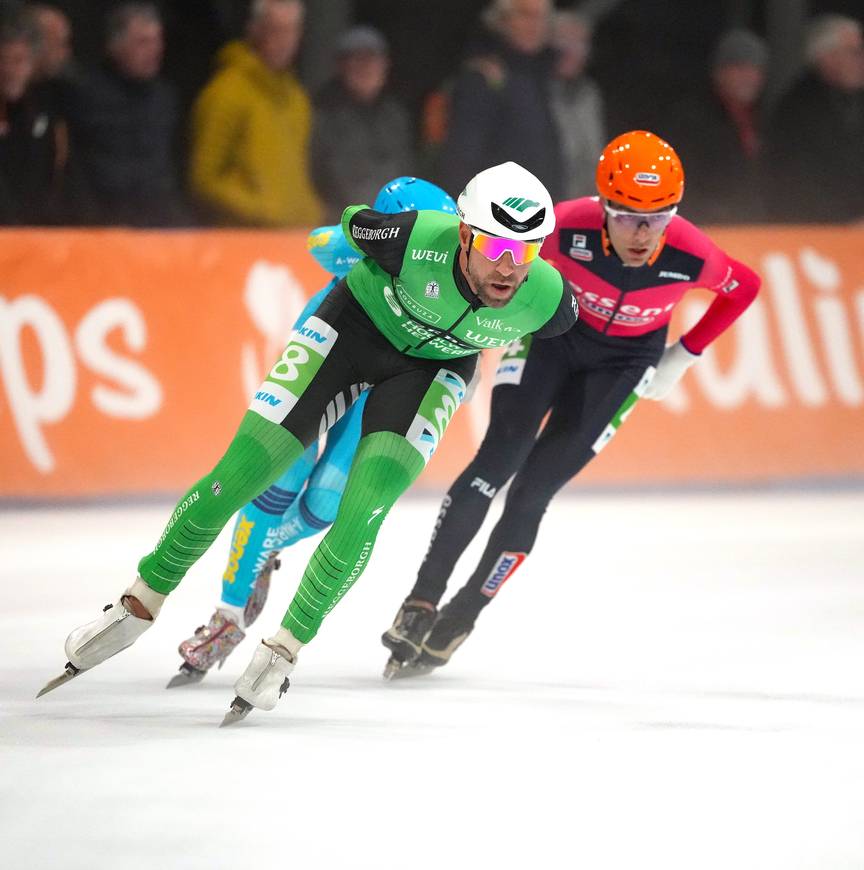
pixel 357 147
pixel 501 110
pixel 33 150
pixel 724 184
pixel 816 153
pixel 121 145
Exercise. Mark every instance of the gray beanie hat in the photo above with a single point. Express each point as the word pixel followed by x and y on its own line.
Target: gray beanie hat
pixel 362 39
pixel 740 46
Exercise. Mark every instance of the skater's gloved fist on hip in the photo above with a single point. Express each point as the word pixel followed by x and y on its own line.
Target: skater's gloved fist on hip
pixel 675 361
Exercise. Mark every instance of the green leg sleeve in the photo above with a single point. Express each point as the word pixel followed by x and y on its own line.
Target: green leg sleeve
pixel 260 452
pixel 384 466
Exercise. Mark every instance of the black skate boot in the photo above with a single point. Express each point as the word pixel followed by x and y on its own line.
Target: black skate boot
pixel 448 633
pixel 404 638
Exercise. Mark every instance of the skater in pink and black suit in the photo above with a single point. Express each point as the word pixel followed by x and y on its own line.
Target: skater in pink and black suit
pixel 629 259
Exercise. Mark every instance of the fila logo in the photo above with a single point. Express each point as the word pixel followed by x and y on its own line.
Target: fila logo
pixel 505 566
pixel 485 489
pixel 579 241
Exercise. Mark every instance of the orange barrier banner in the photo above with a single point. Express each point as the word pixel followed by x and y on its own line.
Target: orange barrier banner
pixel 128 357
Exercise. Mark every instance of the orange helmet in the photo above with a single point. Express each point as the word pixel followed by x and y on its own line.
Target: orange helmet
pixel 640 170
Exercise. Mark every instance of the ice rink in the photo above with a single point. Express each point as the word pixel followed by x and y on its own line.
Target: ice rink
pixel 668 682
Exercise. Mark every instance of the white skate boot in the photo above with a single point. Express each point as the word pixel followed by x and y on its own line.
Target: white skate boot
pixel 265 679
pixel 120 625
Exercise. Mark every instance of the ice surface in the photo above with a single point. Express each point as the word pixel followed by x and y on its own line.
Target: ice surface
pixel 669 682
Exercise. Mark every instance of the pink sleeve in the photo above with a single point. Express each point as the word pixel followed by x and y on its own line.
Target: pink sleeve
pixel 736 287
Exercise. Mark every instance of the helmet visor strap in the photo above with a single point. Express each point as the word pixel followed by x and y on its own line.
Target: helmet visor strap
pixel 494 247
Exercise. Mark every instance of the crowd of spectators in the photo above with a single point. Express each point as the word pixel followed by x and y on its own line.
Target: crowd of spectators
pixel 113 144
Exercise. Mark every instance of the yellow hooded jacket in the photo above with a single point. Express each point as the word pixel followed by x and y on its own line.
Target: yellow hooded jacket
pixel 250 135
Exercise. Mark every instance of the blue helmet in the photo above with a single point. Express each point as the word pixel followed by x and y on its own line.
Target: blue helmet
pixel 408 193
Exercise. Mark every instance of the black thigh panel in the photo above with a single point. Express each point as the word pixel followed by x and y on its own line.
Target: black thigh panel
pixel 358 356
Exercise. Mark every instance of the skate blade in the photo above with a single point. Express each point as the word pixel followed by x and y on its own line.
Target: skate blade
pixel 239 710
pixel 70 673
pixel 396 670
pixel 392 667
pixel 187 676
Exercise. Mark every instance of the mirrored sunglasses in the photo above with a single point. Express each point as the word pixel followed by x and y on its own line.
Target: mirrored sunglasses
pixel 494 247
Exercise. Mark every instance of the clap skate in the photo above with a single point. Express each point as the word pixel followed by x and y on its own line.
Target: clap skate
pixel 213 643
pixel 263 682
pixel 210 645
pixel 405 637
pixel 120 625
pixel 446 636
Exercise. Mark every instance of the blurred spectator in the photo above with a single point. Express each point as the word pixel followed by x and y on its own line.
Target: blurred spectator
pixel 33 143
pixel 55 41
pixel 501 107
pixel 122 120
pixel 718 133
pixel 817 131
pixel 251 127
pixel 577 104
pixel 53 71
pixel 361 136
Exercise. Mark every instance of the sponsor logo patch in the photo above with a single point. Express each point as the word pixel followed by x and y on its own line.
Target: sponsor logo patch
pixel 312 334
pixel 505 566
pixel 404 298
pixel 581 254
pixel 318 240
pixel 509 372
pixel 520 203
pixel 437 408
pixel 433 290
pixel 374 234
pixel 238 547
pixel 431 256
pixel 484 487
pixel 273 402
pixel 315 334
pixel 648 179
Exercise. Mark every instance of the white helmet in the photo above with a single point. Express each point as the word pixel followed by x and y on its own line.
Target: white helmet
pixel 507 201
